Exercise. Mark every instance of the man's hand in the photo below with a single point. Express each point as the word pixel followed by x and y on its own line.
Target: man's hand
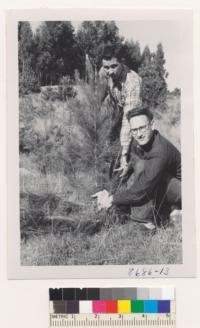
pixel 123 167
pixel 108 201
pixel 104 200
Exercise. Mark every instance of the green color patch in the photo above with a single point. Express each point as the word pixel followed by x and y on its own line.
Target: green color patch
pixel 137 306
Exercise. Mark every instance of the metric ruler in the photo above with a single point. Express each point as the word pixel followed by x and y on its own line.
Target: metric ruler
pixel 112 320
pixel 112 307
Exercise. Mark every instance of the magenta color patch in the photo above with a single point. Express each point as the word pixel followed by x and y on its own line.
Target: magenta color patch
pixel 99 306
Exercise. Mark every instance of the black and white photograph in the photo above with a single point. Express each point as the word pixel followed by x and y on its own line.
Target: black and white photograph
pixel 101 110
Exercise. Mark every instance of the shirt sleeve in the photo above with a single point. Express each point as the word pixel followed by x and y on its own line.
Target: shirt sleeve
pixel 102 84
pixel 132 99
pixel 144 185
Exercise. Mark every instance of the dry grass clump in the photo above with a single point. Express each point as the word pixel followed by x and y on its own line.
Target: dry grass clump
pixel 117 244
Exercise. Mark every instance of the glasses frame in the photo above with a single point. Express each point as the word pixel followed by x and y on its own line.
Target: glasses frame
pixel 141 129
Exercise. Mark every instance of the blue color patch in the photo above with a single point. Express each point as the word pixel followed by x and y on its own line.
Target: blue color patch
pixel 150 306
pixel 164 306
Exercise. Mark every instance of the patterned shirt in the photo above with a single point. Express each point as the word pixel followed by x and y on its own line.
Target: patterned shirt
pixel 126 93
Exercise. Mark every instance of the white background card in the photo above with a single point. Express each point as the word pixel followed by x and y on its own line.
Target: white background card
pixel 29 299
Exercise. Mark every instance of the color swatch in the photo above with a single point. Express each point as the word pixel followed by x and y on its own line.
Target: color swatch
pixel 111 300
pixel 78 294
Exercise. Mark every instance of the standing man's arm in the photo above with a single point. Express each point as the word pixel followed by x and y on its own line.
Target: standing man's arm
pixel 132 99
pixel 102 84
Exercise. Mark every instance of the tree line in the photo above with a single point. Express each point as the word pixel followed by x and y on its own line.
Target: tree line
pixel 55 51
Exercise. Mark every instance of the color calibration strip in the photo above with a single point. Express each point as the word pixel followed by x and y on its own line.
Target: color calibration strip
pixel 112 307
pixel 107 306
pixel 112 300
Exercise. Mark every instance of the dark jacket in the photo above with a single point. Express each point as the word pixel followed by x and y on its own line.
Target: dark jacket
pixel 160 159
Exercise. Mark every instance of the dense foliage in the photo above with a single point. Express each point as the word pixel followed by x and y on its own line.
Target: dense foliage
pixel 55 51
pixel 28 81
pixel 153 73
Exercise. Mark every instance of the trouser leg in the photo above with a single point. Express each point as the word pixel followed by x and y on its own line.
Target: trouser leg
pixel 168 195
pixel 157 210
pixel 173 192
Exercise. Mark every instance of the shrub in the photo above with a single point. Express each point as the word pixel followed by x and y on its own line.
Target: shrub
pixel 28 81
pixel 168 121
pixel 66 88
pixel 63 91
pixel 27 136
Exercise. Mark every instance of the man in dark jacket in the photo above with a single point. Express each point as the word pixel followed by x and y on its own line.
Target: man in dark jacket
pixel 155 168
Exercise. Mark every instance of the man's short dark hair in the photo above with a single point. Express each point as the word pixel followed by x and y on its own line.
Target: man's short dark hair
pixel 112 51
pixel 142 110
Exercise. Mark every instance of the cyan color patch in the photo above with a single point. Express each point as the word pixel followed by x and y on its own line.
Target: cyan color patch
pixel 150 306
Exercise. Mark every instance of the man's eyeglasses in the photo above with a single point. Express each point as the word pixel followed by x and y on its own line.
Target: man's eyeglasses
pixel 141 129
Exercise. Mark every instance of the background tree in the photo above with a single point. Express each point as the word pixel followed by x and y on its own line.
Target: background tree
pixel 132 54
pixel 56 51
pixel 153 73
pixel 28 81
pixel 25 44
pixel 176 92
pixel 146 55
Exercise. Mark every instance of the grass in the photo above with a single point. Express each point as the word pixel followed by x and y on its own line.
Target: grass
pixel 114 243
pixel 119 244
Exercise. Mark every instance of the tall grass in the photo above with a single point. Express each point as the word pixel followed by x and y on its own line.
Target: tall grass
pixel 119 244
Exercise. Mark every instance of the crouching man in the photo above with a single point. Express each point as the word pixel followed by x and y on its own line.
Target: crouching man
pixel 153 178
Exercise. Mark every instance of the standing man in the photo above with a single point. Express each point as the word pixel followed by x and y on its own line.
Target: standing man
pixel 157 181
pixel 123 87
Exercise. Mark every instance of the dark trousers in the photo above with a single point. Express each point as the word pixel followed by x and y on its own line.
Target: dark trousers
pixel 157 209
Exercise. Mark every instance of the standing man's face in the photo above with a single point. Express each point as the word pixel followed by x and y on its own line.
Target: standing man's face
pixel 112 67
pixel 141 129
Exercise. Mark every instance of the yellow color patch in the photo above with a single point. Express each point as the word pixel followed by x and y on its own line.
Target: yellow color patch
pixel 124 306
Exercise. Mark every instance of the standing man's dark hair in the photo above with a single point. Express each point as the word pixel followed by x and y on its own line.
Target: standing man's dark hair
pixel 112 51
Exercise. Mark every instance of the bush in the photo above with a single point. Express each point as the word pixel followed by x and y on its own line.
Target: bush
pixel 50 93
pixel 28 81
pixel 66 88
pixel 27 136
pixel 63 92
pixel 168 121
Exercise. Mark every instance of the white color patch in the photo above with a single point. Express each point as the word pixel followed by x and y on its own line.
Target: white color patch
pixel 168 293
pixel 85 307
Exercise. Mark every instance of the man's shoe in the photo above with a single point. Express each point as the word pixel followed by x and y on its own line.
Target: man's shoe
pixel 149 228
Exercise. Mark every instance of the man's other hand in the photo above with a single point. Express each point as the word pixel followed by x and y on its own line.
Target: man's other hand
pixel 102 198
pixel 108 201
pixel 123 169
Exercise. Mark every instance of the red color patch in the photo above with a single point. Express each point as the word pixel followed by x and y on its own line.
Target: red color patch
pixel 111 306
